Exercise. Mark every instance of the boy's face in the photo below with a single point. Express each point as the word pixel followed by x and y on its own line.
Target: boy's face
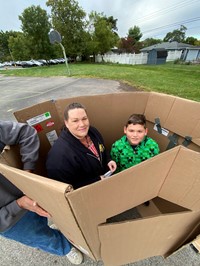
pixel 135 133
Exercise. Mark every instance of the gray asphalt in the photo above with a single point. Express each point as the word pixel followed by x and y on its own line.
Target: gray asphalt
pixel 18 93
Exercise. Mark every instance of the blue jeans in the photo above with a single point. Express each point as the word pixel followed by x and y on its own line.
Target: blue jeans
pixel 33 230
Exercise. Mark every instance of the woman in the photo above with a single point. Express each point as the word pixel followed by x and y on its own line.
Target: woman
pixel 78 157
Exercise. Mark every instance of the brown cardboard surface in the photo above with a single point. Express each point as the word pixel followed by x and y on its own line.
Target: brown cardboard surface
pixel 118 193
pixel 195 133
pixel 183 117
pixel 105 106
pixel 182 185
pixel 110 112
pixel 43 127
pixel 146 211
pixel 50 195
pixel 173 176
pixel 161 139
pixel 105 111
pixel 159 106
pixel 136 240
pixel 11 156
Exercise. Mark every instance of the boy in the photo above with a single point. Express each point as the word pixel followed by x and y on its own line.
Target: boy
pixel 135 146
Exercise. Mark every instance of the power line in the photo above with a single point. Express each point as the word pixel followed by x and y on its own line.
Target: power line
pixel 173 24
pixel 165 11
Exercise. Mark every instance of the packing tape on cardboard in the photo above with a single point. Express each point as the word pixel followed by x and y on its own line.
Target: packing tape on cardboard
pixel 158 125
pixel 187 141
pixel 173 141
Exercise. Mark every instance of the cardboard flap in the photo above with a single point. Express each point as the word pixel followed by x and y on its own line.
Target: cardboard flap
pixel 183 117
pixel 159 106
pixel 51 196
pixel 118 193
pixel 44 118
pixel 173 175
pixel 195 134
pixel 122 243
pixel 11 156
pixel 182 184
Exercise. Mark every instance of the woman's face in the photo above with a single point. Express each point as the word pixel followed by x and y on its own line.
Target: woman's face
pixel 78 123
pixel 135 133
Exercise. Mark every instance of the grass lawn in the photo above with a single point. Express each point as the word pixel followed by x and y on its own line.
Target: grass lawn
pixel 169 78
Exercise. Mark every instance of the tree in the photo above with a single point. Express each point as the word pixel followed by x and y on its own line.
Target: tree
pixel 5 52
pixel 68 18
pixel 150 41
pixel 126 45
pixel 18 46
pixel 135 34
pixel 191 40
pixel 197 43
pixel 36 26
pixel 103 38
pixel 112 22
pixel 177 35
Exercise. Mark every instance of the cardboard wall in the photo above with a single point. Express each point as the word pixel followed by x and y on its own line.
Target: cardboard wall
pixel 50 195
pixel 121 192
pixel 143 238
pixel 89 207
pixel 110 112
pixel 82 214
pixel 184 175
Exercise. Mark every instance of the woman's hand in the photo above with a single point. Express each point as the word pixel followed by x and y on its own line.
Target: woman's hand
pixel 112 166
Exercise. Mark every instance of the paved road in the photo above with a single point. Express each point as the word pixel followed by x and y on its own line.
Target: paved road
pixel 18 93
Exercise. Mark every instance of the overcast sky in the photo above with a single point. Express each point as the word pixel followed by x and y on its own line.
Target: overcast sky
pixel 155 18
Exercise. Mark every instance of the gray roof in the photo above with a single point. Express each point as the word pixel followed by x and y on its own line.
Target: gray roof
pixel 167 46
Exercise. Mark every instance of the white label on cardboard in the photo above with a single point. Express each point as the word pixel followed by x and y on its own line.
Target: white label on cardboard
pixel 38 119
pixel 52 137
pixel 165 132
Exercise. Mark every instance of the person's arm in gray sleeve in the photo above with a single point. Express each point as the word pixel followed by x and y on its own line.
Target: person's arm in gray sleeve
pixel 13 204
pixel 9 215
pixel 10 211
pixel 13 133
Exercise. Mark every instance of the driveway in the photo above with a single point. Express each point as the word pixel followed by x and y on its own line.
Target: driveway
pixel 18 93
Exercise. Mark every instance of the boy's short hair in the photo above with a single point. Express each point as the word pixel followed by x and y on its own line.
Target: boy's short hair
pixel 137 119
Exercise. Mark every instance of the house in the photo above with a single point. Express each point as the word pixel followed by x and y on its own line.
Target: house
pixel 169 46
pixel 191 54
pixel 176 50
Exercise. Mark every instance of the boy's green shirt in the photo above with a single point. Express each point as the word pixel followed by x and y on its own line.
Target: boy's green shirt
pixel 126 155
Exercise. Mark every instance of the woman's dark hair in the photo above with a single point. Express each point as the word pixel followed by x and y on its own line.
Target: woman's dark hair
pixel 137 119
pixel 72 106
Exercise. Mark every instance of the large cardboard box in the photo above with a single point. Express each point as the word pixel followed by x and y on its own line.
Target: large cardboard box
pixel 107 220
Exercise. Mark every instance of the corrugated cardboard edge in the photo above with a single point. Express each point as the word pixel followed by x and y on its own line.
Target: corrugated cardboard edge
pixel 84 204
pixel 196 243
pixel 50 195
pixel 136 240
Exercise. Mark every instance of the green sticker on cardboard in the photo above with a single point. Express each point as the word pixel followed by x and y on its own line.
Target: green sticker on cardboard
pixel 38 119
